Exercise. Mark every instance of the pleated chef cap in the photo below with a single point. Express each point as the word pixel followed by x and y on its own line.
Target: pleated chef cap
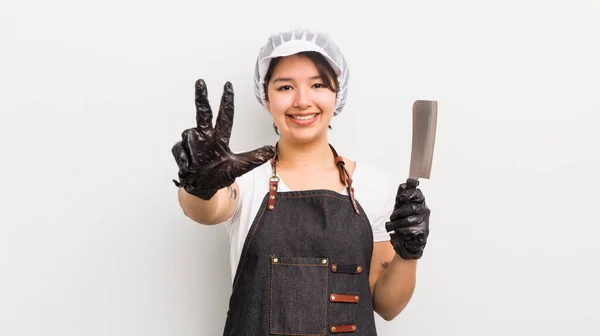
pixel 298 40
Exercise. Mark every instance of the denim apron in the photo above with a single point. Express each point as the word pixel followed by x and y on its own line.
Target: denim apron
pixel 304 268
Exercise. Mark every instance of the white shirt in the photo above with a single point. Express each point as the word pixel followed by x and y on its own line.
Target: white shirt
pixel 373 189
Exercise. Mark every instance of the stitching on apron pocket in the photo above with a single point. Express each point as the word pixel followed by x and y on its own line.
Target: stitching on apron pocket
pixel 298 296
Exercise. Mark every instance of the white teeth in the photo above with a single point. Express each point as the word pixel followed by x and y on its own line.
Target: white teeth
pixel 308 117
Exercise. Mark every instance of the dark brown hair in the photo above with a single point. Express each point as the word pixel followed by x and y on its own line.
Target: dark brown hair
pixel 325 70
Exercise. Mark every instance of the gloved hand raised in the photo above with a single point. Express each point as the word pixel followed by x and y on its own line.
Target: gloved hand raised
pixel 409 222
pixel 206 164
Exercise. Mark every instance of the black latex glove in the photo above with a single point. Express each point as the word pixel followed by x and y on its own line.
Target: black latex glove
pixel 409 222
pixel 206 164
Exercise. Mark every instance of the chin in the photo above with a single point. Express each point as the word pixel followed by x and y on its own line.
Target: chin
pixel 306 136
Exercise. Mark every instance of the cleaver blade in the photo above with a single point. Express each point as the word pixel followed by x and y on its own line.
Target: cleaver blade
pixel 424 116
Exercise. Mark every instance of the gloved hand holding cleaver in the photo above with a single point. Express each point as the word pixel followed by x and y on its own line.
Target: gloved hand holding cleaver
pixel 409 222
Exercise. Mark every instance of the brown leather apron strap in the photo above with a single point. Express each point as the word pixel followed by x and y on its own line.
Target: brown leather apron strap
pixel 273 185
pixel 345 177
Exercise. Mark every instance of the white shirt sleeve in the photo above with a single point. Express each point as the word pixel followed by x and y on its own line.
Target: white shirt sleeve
pixel 376 192
pixel 382 216
pixel 253 187
pixel 245 198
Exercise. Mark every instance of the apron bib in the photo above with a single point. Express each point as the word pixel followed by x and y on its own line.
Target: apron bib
pixel 304 268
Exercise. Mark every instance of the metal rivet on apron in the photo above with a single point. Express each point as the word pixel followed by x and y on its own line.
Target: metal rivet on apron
pixel 353 328
pixel 333 298
pixel 332 329
pixel 271 207
pixel 359 269
pixel 272 197
pixel 324 261
pixel 273 188
pixel 333 267
pixel 356 298
pixel 275 260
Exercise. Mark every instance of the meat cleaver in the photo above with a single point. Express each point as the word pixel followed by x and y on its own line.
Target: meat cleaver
pixel 424 115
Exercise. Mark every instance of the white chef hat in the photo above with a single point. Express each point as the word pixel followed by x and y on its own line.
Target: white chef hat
pixel 298 40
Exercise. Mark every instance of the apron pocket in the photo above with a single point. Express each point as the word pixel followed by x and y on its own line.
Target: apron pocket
pixel 298 298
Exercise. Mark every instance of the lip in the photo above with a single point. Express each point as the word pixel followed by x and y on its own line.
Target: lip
pixel 302 114
pixel 303 123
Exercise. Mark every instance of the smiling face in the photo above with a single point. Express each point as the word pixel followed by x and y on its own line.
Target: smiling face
pixel 299 98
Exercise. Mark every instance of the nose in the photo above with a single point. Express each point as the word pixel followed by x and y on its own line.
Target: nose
pixel 303 98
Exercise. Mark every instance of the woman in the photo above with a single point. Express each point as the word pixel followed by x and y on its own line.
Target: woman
pixel 310 254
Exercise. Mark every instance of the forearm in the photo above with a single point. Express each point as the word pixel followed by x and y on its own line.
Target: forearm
pixel 394 287
pixel 213 211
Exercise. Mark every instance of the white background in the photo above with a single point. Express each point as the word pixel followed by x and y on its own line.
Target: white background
pixel 93 94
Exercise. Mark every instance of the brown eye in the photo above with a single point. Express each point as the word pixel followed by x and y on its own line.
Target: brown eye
pixel 284 88
pixel 319 85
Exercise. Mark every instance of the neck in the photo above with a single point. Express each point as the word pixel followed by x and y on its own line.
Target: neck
pixel 311 156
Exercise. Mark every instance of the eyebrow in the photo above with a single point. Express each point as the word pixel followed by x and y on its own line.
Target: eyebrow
pixel 287 79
